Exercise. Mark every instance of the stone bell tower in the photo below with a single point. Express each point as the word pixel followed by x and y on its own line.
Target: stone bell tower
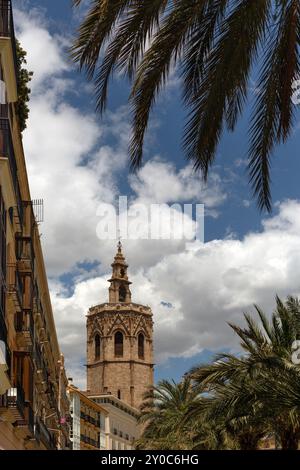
pixel 120 341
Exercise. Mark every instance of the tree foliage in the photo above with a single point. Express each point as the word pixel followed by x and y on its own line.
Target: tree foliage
pixel 235 402
pixel 24 78
pixel 214 45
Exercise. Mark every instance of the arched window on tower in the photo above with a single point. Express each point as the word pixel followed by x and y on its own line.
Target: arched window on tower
pixel 122 294
pixel 122 272
pixel 141 346
pixel 119 344
pixel 97 346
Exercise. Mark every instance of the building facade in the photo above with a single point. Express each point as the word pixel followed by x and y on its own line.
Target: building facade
pixel 34 405
pixel 123 427
pixel 120 342
pixel 89 428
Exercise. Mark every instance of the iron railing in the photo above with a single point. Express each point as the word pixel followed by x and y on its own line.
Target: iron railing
pixel 3 328
pixel 88 418
pixel 25 250
pixel 44 435
pixel 40 363
pixel 24 323
pixel 16 399
pixel 89 440
pixel 30 420
pixel 7 150
pixel 3 337
pixel 15 283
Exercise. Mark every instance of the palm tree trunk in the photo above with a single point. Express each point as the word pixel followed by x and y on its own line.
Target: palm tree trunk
pixel 248 441
pixel 289 441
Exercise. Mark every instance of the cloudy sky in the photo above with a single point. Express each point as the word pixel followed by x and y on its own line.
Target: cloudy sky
pixel 77 162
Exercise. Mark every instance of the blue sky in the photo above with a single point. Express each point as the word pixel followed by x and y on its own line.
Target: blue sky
pixel 248 257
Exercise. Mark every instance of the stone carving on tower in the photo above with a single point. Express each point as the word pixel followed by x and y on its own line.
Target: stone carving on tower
pixel 120 342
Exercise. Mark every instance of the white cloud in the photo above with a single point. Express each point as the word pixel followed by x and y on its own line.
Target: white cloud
pixel 75 163
pixel 45 54
pixel 73 169
pixel 159 182
pixel 207 287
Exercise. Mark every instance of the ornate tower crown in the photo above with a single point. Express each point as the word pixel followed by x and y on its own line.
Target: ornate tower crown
pixel 119 291
pixel 120 342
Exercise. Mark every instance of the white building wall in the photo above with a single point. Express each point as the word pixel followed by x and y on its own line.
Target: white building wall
pixel 75 407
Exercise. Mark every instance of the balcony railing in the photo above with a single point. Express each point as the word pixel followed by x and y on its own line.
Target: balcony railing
pixel 4 111
pixel 30 419
pixel 44 435
pixel 7 26
pixel 89 441
pixel 40 365
pixel 24 253
pixel 3 328
pixel 24 327
pixel 16 401
pixel 39 311
pixel 15 284
pixel 7 150
pixel 3 337
pixel 89 419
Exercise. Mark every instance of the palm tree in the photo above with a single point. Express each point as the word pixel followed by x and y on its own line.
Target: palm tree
pixel 215 45
pixel 162 414
pixel 283 396
pixel 255 394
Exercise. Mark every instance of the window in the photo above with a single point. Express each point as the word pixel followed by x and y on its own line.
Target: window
pixel 122 272
pixel 97 346
pixel 2 256
pixel 141 346
pixel 119 344
pixel 122 294
pixel 119 394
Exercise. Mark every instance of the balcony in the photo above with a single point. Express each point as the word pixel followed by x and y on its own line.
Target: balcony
pixel 24 327
pixel 88 419
pixel 30 419
pixel 24 428
pixel 43 435
pixel 39 313
pixel 52 397
pixel 3 337
pixel 41 369
pixel 5 412
pixel 25 254
pixel 15 285
pixel 7 151
pixel 16 402
pixel 4 377
pixel 89 441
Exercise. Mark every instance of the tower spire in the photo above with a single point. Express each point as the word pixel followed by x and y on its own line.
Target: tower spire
pixel 119 284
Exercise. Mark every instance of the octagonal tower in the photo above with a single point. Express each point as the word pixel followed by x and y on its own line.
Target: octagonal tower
pixel 120 341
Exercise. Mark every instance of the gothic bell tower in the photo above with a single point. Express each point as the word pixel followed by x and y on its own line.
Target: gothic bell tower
pixel 119 285
pixel 120 341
